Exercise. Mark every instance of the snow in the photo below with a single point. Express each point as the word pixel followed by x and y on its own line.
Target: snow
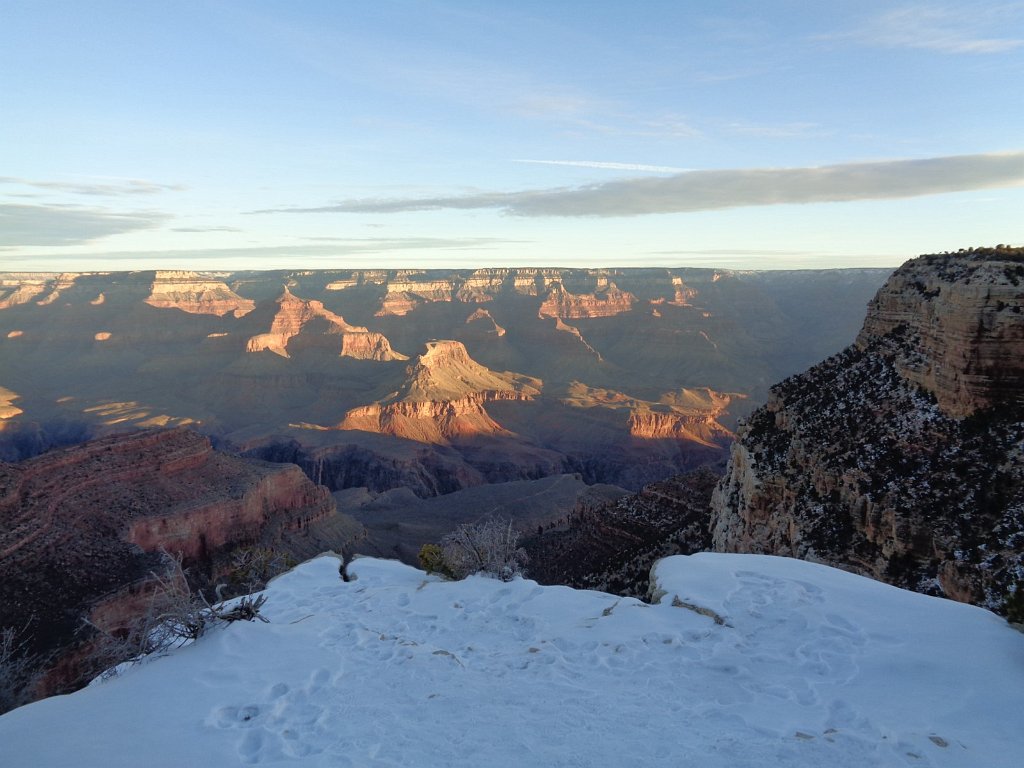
pixel 805 666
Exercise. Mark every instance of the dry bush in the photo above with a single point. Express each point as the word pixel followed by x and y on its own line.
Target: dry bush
pixel 175 616
pixel 18 668
pixel 490 547
pixel 252 567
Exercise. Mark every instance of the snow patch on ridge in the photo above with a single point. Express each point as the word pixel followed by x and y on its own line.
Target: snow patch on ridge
pixel 812 667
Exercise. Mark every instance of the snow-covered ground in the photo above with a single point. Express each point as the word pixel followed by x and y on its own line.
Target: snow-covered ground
pixel 809 667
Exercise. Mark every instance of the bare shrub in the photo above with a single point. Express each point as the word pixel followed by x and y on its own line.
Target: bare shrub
pixel 252 567
pixel 489 547
pixel 18 668
pixel 174 616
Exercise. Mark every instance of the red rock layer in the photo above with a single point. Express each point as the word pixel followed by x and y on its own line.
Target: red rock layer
pixel 76 526
pixel 294 314
pixel 607 301
pixel 443 398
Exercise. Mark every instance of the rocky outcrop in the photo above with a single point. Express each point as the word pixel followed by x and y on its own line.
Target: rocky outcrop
pixel 62 283
pixel 573 331
pixel 686 415
pixel 82 527
pixel 483 285
pixel 294 314
pixel 18 289
pixel 447 372
pixel 606 301
pixel 654 424
pixel 443 398
pixel 683 294
pixel 903 456
pixel 7 407
pixel 482 323
pixel 406 294
pixel 196 294
pixel 963 326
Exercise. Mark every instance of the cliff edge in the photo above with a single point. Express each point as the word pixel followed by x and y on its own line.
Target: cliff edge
pixel 902 457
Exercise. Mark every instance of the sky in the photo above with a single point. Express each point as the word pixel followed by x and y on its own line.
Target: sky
pixel 225 135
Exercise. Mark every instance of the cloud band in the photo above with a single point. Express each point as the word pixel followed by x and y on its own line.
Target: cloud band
pixel 719 189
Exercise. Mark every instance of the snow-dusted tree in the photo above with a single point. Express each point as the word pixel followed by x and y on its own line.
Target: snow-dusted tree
pixel 490 547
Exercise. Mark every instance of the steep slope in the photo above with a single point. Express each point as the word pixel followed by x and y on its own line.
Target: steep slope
pixel 612 546
pixel 293 315
pixel 80 528
pixel 442 398
pixel 903 456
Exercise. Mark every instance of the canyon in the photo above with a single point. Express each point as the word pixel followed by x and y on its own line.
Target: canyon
pixel 438 380
pixel 374 411
pixel 86 531
pixel 902 457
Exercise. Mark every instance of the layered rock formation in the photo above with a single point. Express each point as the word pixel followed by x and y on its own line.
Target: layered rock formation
pixel 18 289
pixel 606 301
pixel 80 528
pixel 324 351
pixel 962 319
pixel 8 409
pixel 442 398
pixel 196 294
pixel 690 415
pixel 294 314
pixel 902 457
pixel 62 283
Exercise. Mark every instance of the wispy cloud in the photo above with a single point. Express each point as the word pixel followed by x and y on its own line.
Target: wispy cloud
pixel 381 244
pixel 205 229
pixel 609 166
pixel 105 188
pixel 27 225
pixel 777 130
pixel 969 29
pixel 341 247
pixel 718 189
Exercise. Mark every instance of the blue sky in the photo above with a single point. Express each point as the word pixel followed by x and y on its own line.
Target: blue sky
pixel 247 135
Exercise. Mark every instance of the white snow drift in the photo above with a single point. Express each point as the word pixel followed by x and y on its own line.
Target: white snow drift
pixel 746 661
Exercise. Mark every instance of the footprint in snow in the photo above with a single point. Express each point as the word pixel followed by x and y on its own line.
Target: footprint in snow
pixel 235 717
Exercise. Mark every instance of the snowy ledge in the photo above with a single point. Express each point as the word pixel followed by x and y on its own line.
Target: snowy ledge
pixel 805 666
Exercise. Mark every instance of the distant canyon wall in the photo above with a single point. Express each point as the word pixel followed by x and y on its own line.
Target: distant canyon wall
pixel 542 370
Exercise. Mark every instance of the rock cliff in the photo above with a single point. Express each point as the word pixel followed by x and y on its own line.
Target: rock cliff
pixel 606 301
pixel 443 398
pixel 963 325
pixel 294 314
pixel 196 294
pixel 903 456
pixel 19 288
pixel 8 409
pixel 80 528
